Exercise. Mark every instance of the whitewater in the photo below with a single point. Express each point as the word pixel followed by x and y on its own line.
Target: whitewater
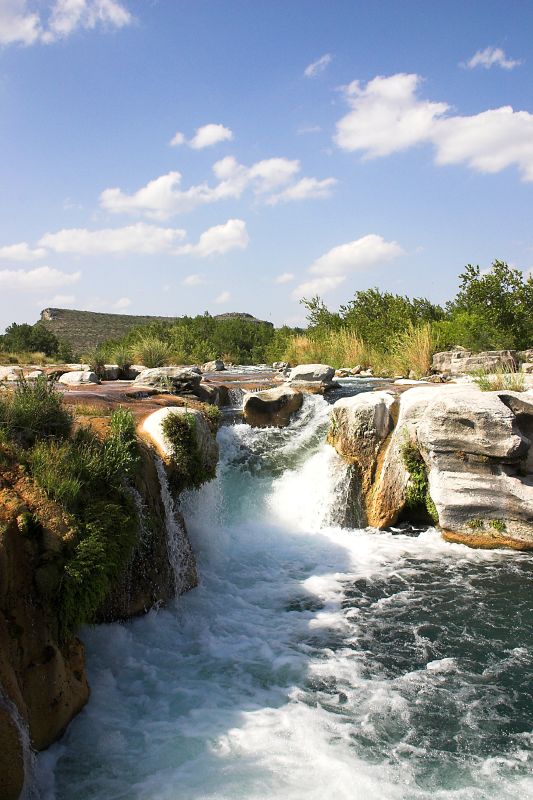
pixel 314 660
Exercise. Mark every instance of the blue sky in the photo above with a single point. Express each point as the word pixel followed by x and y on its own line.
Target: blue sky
pixel 179 156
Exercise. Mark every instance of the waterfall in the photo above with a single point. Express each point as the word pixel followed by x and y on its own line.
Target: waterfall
pixel 29 790
pixel 178 545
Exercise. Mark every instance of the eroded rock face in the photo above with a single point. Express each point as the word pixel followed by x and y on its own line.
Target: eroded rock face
pixel 176 379
pixel 272 407
pixel 463 362
pixel 476 450
pixel 78 377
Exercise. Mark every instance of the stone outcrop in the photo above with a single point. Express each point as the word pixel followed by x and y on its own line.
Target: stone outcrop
pixel 459 455
pixel 311 377
pixel 463 362
pixel 178 380
pixel 214 366
pixel 78 378
pixel 272 407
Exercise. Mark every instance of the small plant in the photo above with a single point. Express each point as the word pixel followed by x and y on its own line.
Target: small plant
pixel 418 498
pixel 498 525
pixel 96 361
pixel 33 411
pixel 151 351
pixel 189 471
pixel 122 357
pixel 503 378
pixel 475 524
pixel 212 413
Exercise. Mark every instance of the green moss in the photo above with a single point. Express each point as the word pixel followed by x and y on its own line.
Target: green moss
pixel 189 470
pixel 475 524
pixel 498 525
pixel 212 414
pixel 418 498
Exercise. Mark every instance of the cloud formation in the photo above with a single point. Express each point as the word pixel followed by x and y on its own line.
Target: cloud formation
pixel 36 279
pixel 359 255
pixel 206 136
pixel 194 280
pixel 220 239
pixel 139 238
pixel 491 57
pixel 318 66
pixel 21 252
pixel 388 116
pixel 163 197
pixel 25 23
pixel 223 297
pixel 285 277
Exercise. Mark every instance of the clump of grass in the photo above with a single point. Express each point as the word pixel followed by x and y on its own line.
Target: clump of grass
pixel 96 361
pixel 413 350
pixel 122 357
pixel 498 525
pixel 151 351
pixel 84 410
pixel 475 524
pixel 418 498
pixel 212 414
pixel 33 411
pixel 189 470
pixel 504 378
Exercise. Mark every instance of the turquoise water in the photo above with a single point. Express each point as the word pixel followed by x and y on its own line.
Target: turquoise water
pixel 312 661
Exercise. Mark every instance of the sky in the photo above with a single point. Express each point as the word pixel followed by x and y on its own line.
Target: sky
pixel 173 157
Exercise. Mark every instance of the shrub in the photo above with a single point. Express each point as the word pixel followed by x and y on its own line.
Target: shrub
pixel 34 411
pixel 418 498
pixel 122 357
pixel 413 350
pixel 106 540
pixel 96 361
pixel 189 471
pixel 212 414
pixel 151 351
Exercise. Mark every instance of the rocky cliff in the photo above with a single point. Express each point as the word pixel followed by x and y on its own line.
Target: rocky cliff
pixel 451 455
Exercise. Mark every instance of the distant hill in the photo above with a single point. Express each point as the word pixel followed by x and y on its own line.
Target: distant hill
pixel 84 330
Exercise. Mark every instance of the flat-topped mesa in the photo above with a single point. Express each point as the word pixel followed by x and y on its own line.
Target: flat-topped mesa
pixel 448 455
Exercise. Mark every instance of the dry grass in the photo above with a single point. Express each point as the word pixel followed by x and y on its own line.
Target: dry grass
pixel 39 359
pixel 501 379
pixel 414 349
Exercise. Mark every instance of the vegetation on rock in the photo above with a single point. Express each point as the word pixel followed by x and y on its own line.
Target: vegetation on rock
pixel 418 499
pixel 189 470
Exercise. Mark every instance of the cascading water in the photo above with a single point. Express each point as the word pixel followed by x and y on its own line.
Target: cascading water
pixel 178 545
pixel 30 790
pixel 312 662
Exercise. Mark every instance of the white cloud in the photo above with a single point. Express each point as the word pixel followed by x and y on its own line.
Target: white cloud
pixel 356 256
pixel 490 57
pixel 21 252
pixel 318 286
pixel 318 66
pixel 194 280
pixel 121 303
pixel 304 189
pixel 285 277
pixel 205 136
pixel 22 22
pixel 220 239
pixel 223 297
pixel 139 238
pixel 210 134
pixel 304 129
pixel 177 139
pixel 163 197
pixel 36 279
pixel 387 116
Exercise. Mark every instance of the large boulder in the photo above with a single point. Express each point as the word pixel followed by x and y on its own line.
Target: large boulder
pixel 78 378
pixel 214 366
pixel 271 407
pixel 207 444
pixel 175 379
pixel 315 378
pixel 463 362
pixel 461 456
pixel 111 372
pixel 11 374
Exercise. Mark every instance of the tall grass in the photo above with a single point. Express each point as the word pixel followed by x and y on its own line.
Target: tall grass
pixel 412 351
pixel 151 351
pixel 33 411
pixel 502 378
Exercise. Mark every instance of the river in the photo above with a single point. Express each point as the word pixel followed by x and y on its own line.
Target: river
pixel 313 661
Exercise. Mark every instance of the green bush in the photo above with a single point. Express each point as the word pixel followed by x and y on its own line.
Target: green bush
pixel 33 411
pixel 418 498
pixel 151 351
pixel 189 471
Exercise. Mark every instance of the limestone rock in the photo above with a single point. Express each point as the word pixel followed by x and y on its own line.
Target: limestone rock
pixel 271 407
pixel 214 366
pixel 175 379
pixel 11 374
pixel 462 362
pixel 207 444
pixel 311 373
pixel 35 373
pixel 78 378
pixel 111 372
pixel 527 367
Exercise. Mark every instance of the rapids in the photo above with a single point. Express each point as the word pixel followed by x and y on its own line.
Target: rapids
pixel 313 661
